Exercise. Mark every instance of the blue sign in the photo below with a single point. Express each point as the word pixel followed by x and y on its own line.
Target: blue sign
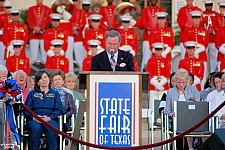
pixel 115 114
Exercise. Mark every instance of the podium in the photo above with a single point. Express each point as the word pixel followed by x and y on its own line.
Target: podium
pixel 114 107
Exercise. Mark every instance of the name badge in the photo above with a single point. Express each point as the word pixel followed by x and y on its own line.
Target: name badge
pixel 38 95
pixel 50 95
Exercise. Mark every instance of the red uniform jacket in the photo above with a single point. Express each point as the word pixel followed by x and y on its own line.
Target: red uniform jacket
pixel 15 31
pixel 199 35
pixel 221 20
pixel 184 19
pixel 53 34
pixel 38 15
pixel 158 67
pixel 86 65
pixel 220 39
pixel 78 20
pixel 15 63
pixel 57 62
pixel 212 28
pixel 4 19
pixel 149 20
pixel 162 35
pixel 107 13
pixel 194 66
pixel 91 34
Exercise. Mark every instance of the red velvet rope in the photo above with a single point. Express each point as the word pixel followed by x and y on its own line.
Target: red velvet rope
pixel 130 148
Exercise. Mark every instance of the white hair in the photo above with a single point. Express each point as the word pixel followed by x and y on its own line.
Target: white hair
pixel 19 71
pixel 4 69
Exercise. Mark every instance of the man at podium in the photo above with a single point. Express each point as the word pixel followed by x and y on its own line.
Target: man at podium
pixel 112 59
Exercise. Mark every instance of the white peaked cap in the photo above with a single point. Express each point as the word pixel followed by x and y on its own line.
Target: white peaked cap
pixel 126 47
pixel 17 42
pixel 95 17
pixel 196 13
pixel 86 1
pixel 158 45
pixel 190 44
pixel 7 4
pixel 208 1
pixel 161 14
pixel 126 17
pixel 94 42
pixel 57 42
pixel 221 3
pixel 14 10
pixel 56 16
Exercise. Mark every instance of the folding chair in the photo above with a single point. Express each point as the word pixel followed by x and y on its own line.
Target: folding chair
pixel 188 114
pixel 154 124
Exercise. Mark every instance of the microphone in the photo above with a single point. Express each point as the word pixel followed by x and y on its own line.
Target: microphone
pixel 111 53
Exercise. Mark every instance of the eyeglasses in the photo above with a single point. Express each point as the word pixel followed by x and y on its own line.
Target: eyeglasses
pixel 112 44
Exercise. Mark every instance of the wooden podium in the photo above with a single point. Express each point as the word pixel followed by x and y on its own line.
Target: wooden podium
pixel 114 107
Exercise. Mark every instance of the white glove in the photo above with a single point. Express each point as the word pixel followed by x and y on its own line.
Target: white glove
pixel 11 50
pixel 196 80
pixel 89 53
pixel 62 53
pixel 50 53
pixel 161 83
pixel 222 49
pixel 132 52
pixel 132 22
pixel 166 51
pixel 199 50
pixel 105 22
pixel 153 81
pixel 175 52
pixel 60 9
pixel 1 32
pixel 66 15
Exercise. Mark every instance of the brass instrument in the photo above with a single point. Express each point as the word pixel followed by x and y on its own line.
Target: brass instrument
pixel 67 4
pixel 95 7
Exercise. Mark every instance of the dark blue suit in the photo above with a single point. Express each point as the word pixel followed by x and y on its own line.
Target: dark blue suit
pixel 100 62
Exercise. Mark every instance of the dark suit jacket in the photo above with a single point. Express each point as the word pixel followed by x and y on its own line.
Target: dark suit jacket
pixel 100 62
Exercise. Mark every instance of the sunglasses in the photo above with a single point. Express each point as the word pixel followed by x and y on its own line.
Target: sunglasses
pixel 14 14
pixel 95 20
pixel 17 46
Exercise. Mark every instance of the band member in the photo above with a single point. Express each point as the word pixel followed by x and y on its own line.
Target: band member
pixel 184 20
pixel 78 22
pixel 38 18
pixel 149 21
pixel 108 20
pixel 159 69
pixel 200 35
pixel 55 33
pixel 86 7
pixel 220 17
pixel 211 24
pixel 162 34
pixel 93 50
pixel 95 32
pixel 193 65
pixel 129 38
pixel 15 31
pixel 4 19
pixel 18 61
pixel 220 45
pixel 57 61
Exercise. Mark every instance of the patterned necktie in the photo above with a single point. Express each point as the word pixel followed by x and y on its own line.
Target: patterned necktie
pixel 112 61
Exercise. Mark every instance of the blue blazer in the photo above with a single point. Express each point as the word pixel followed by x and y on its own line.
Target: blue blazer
pixel 100 62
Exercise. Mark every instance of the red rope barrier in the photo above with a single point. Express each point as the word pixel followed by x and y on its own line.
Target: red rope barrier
pixel 130 148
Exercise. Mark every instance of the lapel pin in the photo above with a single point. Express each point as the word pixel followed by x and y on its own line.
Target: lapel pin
pixel 121 58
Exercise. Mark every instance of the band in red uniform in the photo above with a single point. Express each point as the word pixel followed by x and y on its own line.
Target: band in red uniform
pixel 221 20
pixel 15 30
pixel 159 69
pixel 38 18
pixel 162 34
pixel 129 38
pixel 4 19
pixel 55 33
pixel 193 65
pixel 57 61
pixel 18 61
pixel 93 50
pixel 184 20
pixel 95 32
pixel 149 21
pixel 211 24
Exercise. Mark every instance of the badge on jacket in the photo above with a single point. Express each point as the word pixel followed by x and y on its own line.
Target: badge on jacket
pixel 38 95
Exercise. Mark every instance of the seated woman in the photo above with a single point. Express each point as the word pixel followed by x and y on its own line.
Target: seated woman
pixel 58 78
pixel 46 103
pixel 181 92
